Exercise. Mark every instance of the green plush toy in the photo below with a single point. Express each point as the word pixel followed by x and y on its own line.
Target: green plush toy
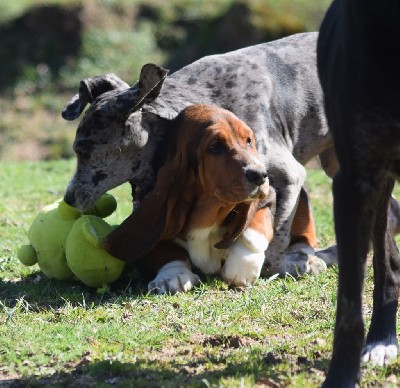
pixel 60 259
pixel 90 263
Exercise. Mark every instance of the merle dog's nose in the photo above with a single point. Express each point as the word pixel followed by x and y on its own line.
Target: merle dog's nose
pixel 257 177
pixel 69 198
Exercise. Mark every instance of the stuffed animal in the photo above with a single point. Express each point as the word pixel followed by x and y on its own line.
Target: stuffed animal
pixel 90 263
pixel 48 236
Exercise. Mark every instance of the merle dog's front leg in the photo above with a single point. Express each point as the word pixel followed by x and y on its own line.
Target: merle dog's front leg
pixel 381 345
pixel 287 177
pixel 354 211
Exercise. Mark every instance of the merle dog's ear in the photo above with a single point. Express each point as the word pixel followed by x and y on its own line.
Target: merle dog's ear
pixel 151 81
pixel 89 90
pixel 145 90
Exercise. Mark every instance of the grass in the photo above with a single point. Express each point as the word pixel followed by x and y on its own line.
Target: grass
pixel 55 333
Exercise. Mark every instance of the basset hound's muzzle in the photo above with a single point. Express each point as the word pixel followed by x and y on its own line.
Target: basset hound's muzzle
pixel 259 178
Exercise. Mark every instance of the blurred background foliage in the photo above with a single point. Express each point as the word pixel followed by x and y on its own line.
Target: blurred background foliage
pixel 47 47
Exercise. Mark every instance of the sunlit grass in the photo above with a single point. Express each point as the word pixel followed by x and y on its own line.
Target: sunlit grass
pixel 278 332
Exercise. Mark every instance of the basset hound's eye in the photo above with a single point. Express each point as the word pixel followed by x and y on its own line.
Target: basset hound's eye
pixel 217 147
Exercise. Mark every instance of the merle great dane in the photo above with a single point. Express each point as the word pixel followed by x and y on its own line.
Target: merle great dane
pixel 273 87
pixel 358 63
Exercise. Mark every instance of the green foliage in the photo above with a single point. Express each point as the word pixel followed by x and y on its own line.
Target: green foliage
pixel 319 186
pixel 48 46
pixel 65 334
pixel 121 52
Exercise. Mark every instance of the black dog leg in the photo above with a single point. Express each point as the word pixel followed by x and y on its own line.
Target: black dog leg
pixel 354 218
pixel 358 64
pixel 381 345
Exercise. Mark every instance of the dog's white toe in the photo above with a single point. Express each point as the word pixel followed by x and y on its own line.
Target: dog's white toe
pixel 242 270
pixel 174 277
pixel 379 354
pixel 316 264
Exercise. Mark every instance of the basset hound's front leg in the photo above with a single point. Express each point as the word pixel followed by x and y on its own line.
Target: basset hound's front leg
pixel 170 265
pixel 245 257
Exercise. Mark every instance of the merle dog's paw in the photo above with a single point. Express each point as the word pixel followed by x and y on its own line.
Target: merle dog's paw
pixel 300 259
pixel 329 255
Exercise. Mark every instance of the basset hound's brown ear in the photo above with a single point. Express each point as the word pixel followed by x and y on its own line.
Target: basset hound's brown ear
pixel 138 234
pixel 237 220
pixel 241 216
pixel 160 216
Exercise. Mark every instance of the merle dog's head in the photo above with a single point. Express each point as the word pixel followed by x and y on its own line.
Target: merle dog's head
pixel 112 142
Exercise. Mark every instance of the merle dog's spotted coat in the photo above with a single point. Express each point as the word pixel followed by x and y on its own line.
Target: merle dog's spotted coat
pixel 273 87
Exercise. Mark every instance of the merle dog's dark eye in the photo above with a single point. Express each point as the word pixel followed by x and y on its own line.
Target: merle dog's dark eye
pixel 82 155
pixel 249 142
pixel 217 147
pixel 83 148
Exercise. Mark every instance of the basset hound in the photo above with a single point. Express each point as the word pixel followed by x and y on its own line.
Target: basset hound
pixel 211 198
pixel 211 207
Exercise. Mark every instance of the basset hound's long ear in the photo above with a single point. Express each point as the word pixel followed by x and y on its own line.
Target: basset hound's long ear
pixel 237 220
pixel 241 215
pixel 160 216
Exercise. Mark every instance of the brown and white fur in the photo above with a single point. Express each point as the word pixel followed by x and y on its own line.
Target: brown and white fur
pixel 211 198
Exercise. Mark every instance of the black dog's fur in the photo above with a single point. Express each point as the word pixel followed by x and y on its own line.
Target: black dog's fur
pixel 359 68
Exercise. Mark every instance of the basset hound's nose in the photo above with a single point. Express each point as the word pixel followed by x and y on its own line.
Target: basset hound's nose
pixel 256 177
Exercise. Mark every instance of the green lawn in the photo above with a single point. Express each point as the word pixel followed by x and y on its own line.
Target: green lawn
pixel 55 333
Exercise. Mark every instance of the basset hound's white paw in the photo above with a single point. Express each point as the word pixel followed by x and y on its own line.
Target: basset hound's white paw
pixel 245 259
pixel 174 277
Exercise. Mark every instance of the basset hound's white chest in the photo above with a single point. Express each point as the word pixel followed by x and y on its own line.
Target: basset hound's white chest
pixel 200 243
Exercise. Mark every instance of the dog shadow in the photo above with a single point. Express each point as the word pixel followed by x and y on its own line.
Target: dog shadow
pixel 145 373
pixel 41 292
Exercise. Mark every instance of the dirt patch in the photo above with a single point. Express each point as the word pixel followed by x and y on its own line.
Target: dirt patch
pixel 227 342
